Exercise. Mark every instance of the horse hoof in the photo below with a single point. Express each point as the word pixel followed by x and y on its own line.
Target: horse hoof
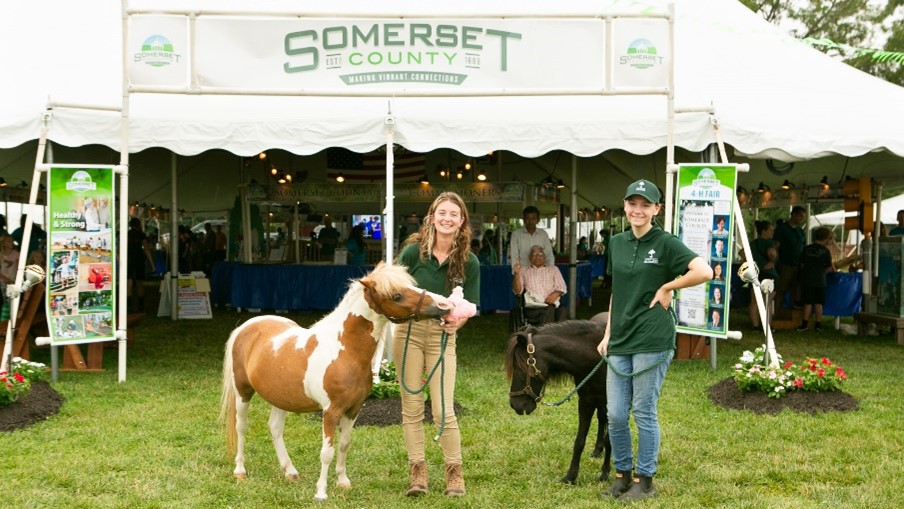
pixel 344 485
pixel 241 477
pixel 320 498
pixel 568 480
pixel 292 477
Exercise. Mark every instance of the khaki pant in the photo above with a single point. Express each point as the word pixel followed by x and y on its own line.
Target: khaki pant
pixel 421 354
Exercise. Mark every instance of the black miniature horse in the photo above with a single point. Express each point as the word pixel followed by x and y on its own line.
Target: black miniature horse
pixel 535 356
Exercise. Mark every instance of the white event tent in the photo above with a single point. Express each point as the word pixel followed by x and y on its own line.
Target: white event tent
pixel 773 96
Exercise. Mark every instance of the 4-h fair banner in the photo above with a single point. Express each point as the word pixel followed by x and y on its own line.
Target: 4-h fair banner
pixel 306 55
pixel 80 259
pixel 703 218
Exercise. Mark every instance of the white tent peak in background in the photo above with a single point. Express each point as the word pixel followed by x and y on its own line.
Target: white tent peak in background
pixel 773 96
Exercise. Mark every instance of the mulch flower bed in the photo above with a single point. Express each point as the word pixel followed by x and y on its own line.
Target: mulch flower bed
pixel 726 394
pixel 38 404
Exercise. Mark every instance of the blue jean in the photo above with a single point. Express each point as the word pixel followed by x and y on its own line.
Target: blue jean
pixel 639 395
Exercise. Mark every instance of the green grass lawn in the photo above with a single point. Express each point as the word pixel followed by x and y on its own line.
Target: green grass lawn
pixel 155 441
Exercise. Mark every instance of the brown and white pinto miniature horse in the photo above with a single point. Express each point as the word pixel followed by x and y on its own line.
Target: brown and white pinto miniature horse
pixel 326 367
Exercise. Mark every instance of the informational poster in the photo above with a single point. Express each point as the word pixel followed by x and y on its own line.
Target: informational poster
pixel 193 294
pixel 81 266
pixel 704 203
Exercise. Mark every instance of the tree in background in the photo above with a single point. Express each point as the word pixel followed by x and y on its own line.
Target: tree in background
pixel 866 34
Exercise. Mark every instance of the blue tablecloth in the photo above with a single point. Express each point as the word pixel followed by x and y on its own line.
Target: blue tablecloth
pixel 597 266
pixel 321 287
pixel 843 293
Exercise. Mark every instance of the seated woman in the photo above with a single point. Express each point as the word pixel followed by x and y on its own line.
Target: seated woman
pixel 541 286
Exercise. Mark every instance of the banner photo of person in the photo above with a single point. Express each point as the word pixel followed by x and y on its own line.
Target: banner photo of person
pixel 704 202
pixel 81 270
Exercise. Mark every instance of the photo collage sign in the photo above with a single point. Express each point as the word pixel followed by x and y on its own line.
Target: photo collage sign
pixel 81 269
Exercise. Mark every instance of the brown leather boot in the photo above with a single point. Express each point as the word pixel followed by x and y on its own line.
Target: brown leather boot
pixel 455 483
pixel 417 475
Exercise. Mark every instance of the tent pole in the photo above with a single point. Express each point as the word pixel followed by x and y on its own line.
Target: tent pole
pixel 174 242
pixel 573 241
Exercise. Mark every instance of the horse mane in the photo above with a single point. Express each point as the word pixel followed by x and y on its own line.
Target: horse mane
pixel 567 329
pixel 390 279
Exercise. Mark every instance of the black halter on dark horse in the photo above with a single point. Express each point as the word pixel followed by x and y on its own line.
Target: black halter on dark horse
pixel 568 349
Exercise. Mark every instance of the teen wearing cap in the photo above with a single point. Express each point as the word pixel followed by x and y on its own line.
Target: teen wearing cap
pixel 647 264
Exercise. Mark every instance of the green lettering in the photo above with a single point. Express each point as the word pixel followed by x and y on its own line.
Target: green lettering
pixel 469 35
pixel 447 36
pixel 305 50
pixel 340 32
pixel 391 34
pixel 359 37
pixel 503 53
pixel 421 31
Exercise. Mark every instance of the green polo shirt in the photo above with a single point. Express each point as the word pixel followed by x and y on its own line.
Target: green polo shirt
pixel 432 276
pixel 638 268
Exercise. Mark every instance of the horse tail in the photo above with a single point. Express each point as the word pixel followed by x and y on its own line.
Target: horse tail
pixel 227 400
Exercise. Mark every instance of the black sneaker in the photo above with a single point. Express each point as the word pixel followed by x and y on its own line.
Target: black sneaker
pixel 818 329
pixel 803 328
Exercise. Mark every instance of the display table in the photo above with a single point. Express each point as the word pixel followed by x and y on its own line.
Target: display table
pixel 321 287
pixel 843 293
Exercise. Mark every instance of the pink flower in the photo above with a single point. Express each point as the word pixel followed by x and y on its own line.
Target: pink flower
pixel 799 382
pixel 840 372
pixel 826 361
pixel 19 378
pixel 788 364
pixel 821 373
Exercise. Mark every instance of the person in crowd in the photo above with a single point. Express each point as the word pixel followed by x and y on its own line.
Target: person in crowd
pixel 765 256
pixel 898 230
pixel 328 237
pixel 541 284
pixel 529 235
pixel 487 254
pixel 139 252
pixel 9 260
pixel 789 241
pixel 357 248
pixel 209 248
pixel 184 245
pixel 3 230
pixel 583 249
pixel 815 262
pixel 38 236
pixel 647 266
pixel 440 259
pixel 220 242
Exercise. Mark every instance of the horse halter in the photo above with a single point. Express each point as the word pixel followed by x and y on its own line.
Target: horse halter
pixel 532 372
pixel 413 316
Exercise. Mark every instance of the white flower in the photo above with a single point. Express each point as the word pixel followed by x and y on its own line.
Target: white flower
pixel 747 356
pixel 779 388
pixel 739 366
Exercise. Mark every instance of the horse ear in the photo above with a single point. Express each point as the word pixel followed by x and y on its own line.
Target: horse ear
pixel 368 283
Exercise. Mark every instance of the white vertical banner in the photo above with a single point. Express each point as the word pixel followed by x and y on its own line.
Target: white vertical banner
pixel 704 203
pixel 80 260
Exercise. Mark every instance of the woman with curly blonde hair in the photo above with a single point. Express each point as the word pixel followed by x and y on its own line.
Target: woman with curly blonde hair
pixel 439 257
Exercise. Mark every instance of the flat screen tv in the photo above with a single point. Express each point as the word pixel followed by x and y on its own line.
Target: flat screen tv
pixel 372 223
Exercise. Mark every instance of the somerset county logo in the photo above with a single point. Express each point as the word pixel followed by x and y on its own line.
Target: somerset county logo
pixel 641 55
pixel 707 178
pixel 80 182
pixel 157 51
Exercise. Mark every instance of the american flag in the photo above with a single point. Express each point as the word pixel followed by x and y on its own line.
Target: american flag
pixel 409 166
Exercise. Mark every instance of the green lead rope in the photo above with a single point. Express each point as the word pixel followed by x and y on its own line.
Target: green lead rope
pixel 665 354
pixel 605 360
pixel 441 364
